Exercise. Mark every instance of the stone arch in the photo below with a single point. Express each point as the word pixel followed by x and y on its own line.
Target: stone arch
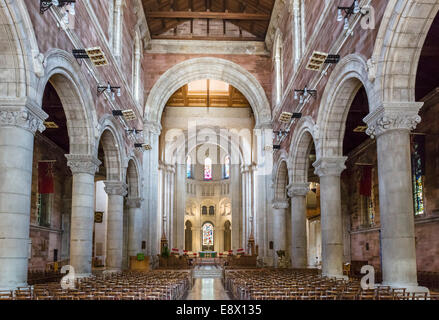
pixel 301 144
pixel 62 71
pixel 133 181
pixel 19 45
pixel 113 153
pixel 280 178
pixel 208 68
pixel 345 81
pixel 398 47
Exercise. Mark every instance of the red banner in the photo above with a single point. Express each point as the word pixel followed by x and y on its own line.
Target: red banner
pixel 45 177
pixel 366 182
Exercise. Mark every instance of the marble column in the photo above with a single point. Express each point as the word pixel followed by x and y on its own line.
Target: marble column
pixel 329 171
pixel 151 135
pixel 244 218
pixel 116 192
pixel 235 178
pixel 134 226
pixel 178 187
pixel 17 128
pixel 83 168
pixel 390 124
pixel 279 226
pixel 297 193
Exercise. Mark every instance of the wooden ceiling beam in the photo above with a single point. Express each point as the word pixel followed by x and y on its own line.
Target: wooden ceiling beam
pixel 206 15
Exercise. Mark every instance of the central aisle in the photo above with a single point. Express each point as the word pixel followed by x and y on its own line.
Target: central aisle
pixel 207 288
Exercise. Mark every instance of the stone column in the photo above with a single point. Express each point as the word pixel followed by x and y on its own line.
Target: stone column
pixel 236 208
pixel 116 191
pixel 329 171
pixel 178 187
pixel 150 191
pixel 279 226
pixel 134 226
pixel 83 168
pixel 244 201
pixel 391 125
pixel 17 128
pixel 297 193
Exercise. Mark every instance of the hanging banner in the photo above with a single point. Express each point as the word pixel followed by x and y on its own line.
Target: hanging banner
pixel 45 177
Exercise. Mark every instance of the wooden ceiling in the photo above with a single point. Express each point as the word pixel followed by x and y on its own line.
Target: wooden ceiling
pixel 208 19
pixel 214 99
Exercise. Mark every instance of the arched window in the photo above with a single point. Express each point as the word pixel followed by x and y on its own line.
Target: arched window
pixel 211 210
pixel 207 169
pixel 189 167
pixel 278 59
pixel 116 18
pixel 204 210
pixel 299 34
pixel 418 172
pixel 208 234
pixel 227 167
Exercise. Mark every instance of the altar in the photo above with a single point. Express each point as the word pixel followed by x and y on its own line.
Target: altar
pixel 208 254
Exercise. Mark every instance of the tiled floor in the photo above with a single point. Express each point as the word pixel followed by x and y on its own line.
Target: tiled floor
pixel 207 289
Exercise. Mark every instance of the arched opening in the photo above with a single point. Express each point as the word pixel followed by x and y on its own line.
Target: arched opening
pixel 227 236
pixel 207 237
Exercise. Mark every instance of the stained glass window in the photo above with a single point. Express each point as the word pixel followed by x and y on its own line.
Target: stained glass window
pixel 189 168
pixel 207 234
pixel 227 167
pixel 418 172
pixel 208 169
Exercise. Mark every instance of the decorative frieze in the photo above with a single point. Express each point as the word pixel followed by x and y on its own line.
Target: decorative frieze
pixel 298 190
pixel 281 204
pixel 80 163
pixel 116 188
pixel 21 118
pixel 393 116
pixel 330 166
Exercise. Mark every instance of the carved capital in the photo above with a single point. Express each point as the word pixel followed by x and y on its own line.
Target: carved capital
pixel 330 166
pixel 298 190
pixel 23 118
pixel 393 116
pixel 152 127
pixel 281 204
pixel 82 163
pixel 134 202
pixel 116 188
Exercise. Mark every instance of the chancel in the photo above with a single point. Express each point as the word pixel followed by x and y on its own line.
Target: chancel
pixel 214 150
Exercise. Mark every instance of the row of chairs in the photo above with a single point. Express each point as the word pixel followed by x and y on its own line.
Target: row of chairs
pixel 154 285
pixel 270 284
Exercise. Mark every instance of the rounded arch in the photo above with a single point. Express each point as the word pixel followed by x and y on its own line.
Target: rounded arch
pixel 301 145
pixel 208 68
pixel 19 45
pixel 133 180
pixel 64 74
pixel 278 65
pixel 345 81
pixel 113 153
pixel 398 47
pixel 280 191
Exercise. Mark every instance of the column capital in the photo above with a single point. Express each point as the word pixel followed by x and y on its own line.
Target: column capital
pixel 152 127
pixel 281 204
pixel 134 202
pixel 298 189
pixel 22 113
pixel 116 188
pixel 170 168
pixel 83 163
pixel 393 116
pixel 330 166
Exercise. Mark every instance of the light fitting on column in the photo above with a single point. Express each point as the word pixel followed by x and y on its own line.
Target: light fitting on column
pixel 95 54
pixel 353 9
pixel 142 146
pixel 127 114
pixel 113 90
pixel 286 117
pixel 304 94
pixel 45 5
pixel 319 59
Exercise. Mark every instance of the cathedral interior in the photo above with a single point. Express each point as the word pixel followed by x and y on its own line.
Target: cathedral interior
pixel 219 150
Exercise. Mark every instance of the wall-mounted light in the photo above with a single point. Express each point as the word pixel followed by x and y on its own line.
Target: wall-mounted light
pixel 95 54
pixel 281 134
pixel 319 59
pixel 353 9
pixel 143 146
pixel 45 5
pixel 127 114
pixel 304 94
pixel 113 90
